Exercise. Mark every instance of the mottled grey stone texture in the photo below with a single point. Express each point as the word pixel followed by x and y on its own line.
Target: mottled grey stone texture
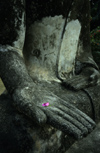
pixel 19 134
pixel 90 144
pixel 25 125
pixel 11 13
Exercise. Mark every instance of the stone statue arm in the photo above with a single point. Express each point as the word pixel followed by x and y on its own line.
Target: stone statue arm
pixel 27 96
pixel 86 71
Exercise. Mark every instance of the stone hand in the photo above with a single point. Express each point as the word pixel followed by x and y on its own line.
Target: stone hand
pixel 88 77
pixel 60 114
pixel 28 98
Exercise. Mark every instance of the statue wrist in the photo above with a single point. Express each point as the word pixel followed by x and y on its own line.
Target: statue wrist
pixel 13 71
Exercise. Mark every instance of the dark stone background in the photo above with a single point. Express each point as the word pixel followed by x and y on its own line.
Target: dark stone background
pixel 90 144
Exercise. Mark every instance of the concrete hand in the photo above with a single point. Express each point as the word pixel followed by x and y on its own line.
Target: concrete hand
pixel 28 98
pixel 60 114
pixel 88 77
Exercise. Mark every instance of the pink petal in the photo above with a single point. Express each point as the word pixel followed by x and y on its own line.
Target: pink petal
pixel 45 104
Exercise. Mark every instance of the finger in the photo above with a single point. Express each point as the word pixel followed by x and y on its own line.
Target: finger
pixel 78 114
pixel 70 118
pixel 93 79
pixel 95 75
pixel 78 117
pixel 39 116
pixel 63 125
pixel 80 84
pixel 73 79
pixel 76 83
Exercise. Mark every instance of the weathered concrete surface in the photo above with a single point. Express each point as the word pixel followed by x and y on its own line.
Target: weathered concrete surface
pixel 90 144
pixel 12 23
pixel 20 134
pixel 17 132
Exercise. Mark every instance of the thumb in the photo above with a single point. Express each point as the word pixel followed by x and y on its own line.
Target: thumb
pixel 39 116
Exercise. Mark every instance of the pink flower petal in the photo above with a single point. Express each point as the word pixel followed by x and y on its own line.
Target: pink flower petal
pixel 45 104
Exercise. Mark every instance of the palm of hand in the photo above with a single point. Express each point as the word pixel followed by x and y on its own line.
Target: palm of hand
pixel 60 114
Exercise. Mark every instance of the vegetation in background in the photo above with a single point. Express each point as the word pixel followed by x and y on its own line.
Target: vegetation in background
pixel 95 30
pixel 95 44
